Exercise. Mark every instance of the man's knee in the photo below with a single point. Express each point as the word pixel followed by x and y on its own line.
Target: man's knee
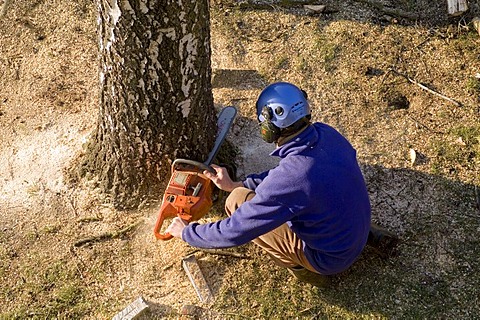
pixel 236 198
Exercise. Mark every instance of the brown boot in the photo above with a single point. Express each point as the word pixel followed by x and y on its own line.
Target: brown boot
pixel 305 275
pixel 383 241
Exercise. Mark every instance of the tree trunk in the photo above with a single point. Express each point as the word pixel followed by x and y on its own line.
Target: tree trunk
pixel 457 7
pixel 156 100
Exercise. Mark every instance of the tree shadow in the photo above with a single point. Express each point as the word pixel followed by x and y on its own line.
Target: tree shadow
pixel 430 13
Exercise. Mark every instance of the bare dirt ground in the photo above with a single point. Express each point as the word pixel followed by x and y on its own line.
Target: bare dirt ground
pixel 420 154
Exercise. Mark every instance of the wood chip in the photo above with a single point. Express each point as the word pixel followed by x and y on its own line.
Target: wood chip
pixel 314 8
pixel 476 24
pixel 413 156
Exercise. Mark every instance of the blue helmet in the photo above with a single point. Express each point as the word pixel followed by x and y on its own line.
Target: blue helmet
pixel 284 102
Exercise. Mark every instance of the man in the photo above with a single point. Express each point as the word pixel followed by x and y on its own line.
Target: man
pixel 311 213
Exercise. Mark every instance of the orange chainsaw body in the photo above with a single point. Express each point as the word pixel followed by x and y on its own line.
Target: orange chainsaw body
pixel 188 196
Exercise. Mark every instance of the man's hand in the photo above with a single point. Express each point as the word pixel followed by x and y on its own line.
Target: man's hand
pixel 176 227
pixel 222 180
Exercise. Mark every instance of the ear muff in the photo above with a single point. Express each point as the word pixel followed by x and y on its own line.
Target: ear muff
pixel 305 95
pixel 269 131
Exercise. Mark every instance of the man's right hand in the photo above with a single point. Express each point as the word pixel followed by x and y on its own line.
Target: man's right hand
pixel 222 179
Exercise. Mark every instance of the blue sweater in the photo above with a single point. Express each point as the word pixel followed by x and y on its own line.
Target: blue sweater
pixel 317 189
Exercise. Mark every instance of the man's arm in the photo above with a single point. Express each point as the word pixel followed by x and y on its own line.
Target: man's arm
pixel 222 180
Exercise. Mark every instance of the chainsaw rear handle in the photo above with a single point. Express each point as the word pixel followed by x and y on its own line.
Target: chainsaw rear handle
pixel 158 226
pixel 196 164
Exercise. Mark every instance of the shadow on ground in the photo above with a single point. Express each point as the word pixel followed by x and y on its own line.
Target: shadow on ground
pixel 433 13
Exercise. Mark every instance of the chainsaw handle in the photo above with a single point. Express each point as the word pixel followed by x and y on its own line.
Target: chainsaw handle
pixel 196 164
pixel 158 226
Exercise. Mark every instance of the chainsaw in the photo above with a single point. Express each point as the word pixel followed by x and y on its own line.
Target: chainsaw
pixel 189 194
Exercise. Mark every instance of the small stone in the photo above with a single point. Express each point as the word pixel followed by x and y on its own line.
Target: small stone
pixel 314 8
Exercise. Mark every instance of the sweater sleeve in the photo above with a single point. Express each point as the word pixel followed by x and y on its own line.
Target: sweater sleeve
pixel 254 218
pixel 253 180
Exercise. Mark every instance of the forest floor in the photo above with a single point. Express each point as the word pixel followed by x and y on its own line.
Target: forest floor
pixel 364 70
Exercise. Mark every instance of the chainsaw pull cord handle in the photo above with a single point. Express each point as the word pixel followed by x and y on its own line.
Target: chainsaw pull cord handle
pixel 196 164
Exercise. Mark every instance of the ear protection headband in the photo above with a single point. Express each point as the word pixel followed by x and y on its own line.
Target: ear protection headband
pixel 269 131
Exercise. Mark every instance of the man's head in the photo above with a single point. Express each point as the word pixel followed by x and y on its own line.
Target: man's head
pixel 283 110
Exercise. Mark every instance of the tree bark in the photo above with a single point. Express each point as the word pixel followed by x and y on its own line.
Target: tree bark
pixel 156 100
pixel 457 7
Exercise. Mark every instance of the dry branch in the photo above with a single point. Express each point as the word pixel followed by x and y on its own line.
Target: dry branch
pixel 220 253
pixel 424 87
pixel 250 5
pixel 106 236
pixel 391 11
pixel 477 198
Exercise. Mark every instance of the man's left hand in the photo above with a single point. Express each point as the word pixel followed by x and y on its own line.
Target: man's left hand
pixel 176 227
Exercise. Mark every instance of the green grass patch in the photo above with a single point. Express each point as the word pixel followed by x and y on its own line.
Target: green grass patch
pixel 461 148
pixel 327 51
pixel 47 291
pixel 473 85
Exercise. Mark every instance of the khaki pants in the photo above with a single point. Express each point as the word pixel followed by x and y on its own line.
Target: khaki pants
pixel 282 244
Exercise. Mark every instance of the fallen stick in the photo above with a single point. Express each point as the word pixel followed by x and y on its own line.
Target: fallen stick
pixel 389 11
pixel 251 5
pixel 424 87
pixel 220 253
pixel 423 125
pixel 477 198
pixel 106 236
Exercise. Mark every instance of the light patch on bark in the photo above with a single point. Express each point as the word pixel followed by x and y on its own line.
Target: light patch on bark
pixel 132 98
pixel 143 7
pixel 110 122
pixel 185 107
pixel 128 7
pixel 188 43
pixel 153 53
pixel 181 17
pixel 168 32
pixel 115 12
pixel 142 145
pixel 143 66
